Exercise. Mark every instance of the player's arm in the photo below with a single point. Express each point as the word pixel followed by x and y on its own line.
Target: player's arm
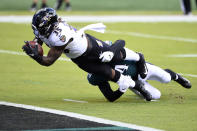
pixel 53 54
pixel 109 94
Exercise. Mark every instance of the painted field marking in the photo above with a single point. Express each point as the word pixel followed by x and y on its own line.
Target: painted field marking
pixel 87 129
pixel 107 18
pixel 61 58
pixel 184 55
pixel 80 116
pixel 136 34
pixel 133 18
pixel 23 54
pixel 75 101
pixel 191 75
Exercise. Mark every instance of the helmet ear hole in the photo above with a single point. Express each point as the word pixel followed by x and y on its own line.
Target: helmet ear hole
pixel 43 20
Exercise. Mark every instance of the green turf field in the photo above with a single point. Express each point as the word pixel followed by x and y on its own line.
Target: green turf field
pixel 24 81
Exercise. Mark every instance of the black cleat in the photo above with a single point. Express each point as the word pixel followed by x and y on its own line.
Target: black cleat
pixel 142 68
pixel 140 88
pixel 178 78
pixel 183 81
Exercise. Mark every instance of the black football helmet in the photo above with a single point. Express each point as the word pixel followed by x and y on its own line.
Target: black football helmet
pixel 43 21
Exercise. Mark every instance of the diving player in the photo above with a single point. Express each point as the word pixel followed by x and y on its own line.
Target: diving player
pixel 129 68
pixel 89 53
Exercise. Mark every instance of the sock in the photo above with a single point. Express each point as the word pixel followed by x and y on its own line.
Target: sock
pixel 131 55
pixel 173 75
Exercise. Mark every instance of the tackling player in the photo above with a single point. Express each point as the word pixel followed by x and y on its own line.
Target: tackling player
pixel 130 68
pixel 89 53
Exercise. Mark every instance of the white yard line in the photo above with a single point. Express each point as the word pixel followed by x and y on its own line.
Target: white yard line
pixel 61 58
pixel 133 18
pixel 190 75
pixel 184 55
pixel 107 18
pixel 80 116
pixel 136 34
pixel 22 53
pixel 77 101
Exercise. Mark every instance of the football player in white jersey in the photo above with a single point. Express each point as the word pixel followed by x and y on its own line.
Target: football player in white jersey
pixel 89 53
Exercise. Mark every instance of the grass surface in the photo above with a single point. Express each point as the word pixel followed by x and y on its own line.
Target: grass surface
pixel 24 81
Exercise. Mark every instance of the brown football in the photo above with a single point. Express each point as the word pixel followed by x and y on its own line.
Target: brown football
pixel 40 50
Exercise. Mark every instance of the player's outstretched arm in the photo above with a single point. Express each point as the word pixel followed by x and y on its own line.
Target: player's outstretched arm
pixel 53 54
pixel 109 94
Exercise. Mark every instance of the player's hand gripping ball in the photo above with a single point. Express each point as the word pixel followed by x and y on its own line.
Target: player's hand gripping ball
pixel 33 47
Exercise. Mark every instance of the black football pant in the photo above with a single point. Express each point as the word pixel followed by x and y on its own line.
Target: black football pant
pixel 90 61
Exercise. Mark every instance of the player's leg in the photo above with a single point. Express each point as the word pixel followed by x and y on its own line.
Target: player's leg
pixel 186 6
pixel 122 53
pixel 68 5
pixel 107 72
pixel 156 73
pixel 34 5
pixel 44 4
pixel 196 3
pixel 155 93
pixel 58 4
pixel 179 79
pixel 141 90
pixel 152 91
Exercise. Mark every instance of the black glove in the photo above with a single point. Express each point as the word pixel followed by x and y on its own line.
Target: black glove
pixel 32 52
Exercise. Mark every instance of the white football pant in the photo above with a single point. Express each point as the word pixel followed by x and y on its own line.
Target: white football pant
pixel 154 73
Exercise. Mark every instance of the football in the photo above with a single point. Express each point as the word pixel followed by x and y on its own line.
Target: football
pixel 40 50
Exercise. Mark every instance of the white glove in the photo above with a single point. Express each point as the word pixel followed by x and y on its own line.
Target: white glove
pixel 125 82
pixel 106 56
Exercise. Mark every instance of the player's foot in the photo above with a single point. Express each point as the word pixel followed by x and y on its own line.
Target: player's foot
pixel 179 79
pixel 68 7
pixel 183 81
pixel 139 86
pixel 33 7
pixel 142 68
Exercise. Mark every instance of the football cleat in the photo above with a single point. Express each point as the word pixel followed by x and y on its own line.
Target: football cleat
pixel 140 88
pixel 142 68
pixel 179 79
pixel 183 81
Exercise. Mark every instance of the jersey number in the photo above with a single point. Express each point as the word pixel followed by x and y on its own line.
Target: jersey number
pixel 121 68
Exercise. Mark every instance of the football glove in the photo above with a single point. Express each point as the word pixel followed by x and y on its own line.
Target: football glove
pixel 125 82
pixel 32 52
pixel 106 56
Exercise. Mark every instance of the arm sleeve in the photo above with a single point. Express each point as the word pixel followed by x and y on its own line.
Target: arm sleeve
pixel 109 94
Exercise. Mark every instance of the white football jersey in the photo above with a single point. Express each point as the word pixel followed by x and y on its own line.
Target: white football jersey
pixel 65 34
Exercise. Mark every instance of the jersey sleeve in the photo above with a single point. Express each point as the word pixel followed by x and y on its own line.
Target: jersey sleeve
pixel 62 34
